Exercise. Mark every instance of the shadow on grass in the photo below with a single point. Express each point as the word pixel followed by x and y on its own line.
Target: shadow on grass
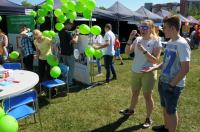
pixel 112 126
pixel 131 129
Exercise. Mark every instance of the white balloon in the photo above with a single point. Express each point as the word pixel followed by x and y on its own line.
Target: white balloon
pixel 76 53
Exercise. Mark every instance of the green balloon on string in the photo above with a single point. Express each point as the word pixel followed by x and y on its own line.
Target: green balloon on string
pixel 87 14
pixel 46 33
pixel 64 1
pixel 64 8
pixel 2 112
pixel 96 30
pixel 55 72
pixel 98 54
pixel 8 124
pixel 62 18
pixel 90 4
pixel 89 51
pixel 71 5
pixel 14 55
pixel 72 15
pixel 58 12
pixel 40 20
pixel 33 13
pixel 80 7
pixel 84 29
pixel 59 26
pixel 52 33
pixel 42 12
pixel 48 7
pixel 52 60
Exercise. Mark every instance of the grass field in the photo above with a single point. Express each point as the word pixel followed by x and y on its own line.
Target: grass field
pixel 96 109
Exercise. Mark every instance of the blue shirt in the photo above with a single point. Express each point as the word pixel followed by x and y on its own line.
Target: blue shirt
pixel 27 46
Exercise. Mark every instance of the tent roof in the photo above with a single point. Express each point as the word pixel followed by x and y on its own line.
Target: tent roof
pixel 192 19
pixel 148 14
pixel 163 13
pixel 182 18
pixel 10 8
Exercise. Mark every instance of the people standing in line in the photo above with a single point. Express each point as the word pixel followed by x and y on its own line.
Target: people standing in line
pixel 109 52
pixel 174 68
pixel 117 50
pixel 98 40
pixel 147 50
pixel 43 49
pixel 26 46
pixel 3 46
pixel 67 41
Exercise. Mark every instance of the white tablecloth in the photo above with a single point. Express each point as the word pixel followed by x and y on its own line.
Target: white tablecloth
pixel 27 80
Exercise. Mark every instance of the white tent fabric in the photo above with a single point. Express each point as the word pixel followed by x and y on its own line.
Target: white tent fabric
pixel 182 18
pixel 148 14
pixel 163 13
pixel 192 19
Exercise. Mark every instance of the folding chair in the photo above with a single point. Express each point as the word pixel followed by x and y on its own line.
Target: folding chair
pixel 14 66
pixel 50 84
pixel 20 106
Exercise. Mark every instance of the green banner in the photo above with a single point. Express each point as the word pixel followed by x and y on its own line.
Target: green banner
pixel 14 22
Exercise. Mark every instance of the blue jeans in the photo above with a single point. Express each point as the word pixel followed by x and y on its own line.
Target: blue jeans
pixel 69 61
pixel 169 100
pixel 109 65
pixel 99 65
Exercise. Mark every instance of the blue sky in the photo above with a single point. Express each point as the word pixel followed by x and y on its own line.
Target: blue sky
pixel 131 4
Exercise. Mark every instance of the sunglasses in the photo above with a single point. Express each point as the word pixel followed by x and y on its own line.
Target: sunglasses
pixel 143 27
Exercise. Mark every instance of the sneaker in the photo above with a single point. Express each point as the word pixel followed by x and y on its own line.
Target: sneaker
pixel 160 128
pixel 99 74
pixel 147 123
pixel 126 112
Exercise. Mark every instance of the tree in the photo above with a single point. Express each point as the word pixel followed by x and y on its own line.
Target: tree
pixel 194 11
pixel 26 3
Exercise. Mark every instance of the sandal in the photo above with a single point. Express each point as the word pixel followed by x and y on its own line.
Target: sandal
pixel 126 112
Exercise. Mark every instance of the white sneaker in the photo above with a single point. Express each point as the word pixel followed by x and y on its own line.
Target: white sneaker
pixel 99 74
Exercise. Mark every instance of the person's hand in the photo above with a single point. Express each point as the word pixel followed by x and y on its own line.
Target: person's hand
pixel 148 69
pixel 132 34
pixel 95 46
pixel 171 88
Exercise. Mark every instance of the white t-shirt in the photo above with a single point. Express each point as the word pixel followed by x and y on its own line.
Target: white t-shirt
pixel 109 50
pixel 140 61
pixel 97 39
pixel 175 52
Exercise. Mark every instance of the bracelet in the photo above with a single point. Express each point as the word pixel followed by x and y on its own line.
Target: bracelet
pixel 144 52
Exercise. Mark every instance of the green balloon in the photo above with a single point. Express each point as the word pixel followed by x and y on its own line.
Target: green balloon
pixel 48 7
pixel 62 18
pixel 46 33
pixel 0 18
pixel 59 26
pixel 14 55
pixel 58 12
pixel 90 4
pixel 52 60
pixel 51 2
pixel 84 29
pixel 82 1
pixel 87 14
pixel 33 13
pixel 64 1
pixel 80 7
pixel 52 33
pixel 40 20
pixel 72 15
pixel 2 112
pixel 89 51
pixel 64 8
pixel 55 72
pixel 96 30
pixel 8 124
pixel 42 12
pixel 71 5
pixel 98 54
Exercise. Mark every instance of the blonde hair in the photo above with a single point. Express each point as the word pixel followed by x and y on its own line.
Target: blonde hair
pixel 37 32
pixel 152 26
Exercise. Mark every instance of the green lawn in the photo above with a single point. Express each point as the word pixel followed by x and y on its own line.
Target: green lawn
pixel 97 109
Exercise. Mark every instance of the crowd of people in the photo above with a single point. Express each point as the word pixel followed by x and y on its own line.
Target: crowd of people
pixel 147 48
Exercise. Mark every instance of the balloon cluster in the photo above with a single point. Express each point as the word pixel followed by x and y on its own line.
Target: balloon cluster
pixel 55 71
pixel 50 34
pixel 7 122
pixel 14 55
pixel 85 29
pixel 68 10
pixel 90 51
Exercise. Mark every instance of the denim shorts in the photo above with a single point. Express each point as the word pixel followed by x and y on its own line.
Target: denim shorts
pixel 117 52
pixel 168 99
